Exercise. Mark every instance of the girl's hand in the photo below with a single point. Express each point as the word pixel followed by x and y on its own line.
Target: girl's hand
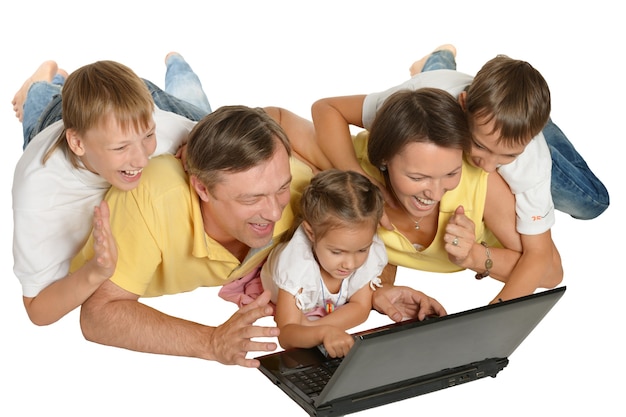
pixel 337 342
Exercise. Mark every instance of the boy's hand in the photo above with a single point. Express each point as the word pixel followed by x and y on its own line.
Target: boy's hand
pixel 105 249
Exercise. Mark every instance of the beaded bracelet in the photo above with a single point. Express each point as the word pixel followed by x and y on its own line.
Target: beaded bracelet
pixel 488 262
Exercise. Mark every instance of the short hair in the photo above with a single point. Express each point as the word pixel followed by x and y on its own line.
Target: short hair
pixel 232 139
pixel 100 90
pixel 513 94
pixel 337 198
pixel 426 115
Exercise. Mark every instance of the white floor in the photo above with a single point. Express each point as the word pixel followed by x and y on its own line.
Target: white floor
pixel 276 53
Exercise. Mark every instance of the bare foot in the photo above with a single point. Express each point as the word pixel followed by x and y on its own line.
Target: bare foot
pixel 170 54
pixel 417 66
pixel 45 72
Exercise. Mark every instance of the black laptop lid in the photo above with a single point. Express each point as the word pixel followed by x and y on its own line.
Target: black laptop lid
pixel 398 352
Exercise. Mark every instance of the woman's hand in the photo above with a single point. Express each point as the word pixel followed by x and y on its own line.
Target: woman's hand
pixel 460 238
pixel 402 302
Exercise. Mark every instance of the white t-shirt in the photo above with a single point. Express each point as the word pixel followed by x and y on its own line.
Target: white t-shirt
pixel 53 203
pixel 291 266
pixel 528 176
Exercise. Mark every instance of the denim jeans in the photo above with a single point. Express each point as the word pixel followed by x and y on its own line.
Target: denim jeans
pixel 575 188
pixel 183 95
pixel 440 60
pixel 39 96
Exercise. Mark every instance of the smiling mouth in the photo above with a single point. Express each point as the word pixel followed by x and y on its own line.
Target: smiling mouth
pixel 425 201
pixel 262 227
pixel 132 173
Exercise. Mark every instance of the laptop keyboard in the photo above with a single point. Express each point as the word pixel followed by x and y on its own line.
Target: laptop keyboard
pixel 313 379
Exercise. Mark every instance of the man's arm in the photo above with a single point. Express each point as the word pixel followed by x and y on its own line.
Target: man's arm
pixel 115 317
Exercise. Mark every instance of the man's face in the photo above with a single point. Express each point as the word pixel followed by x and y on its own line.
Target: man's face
pixel 117 155
pixel 488 152
pixel 245 206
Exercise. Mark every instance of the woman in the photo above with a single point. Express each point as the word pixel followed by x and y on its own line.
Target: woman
pixel 444 215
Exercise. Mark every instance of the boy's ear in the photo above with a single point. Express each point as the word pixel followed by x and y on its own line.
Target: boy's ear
pixel 201 189
pixel 75 142
pixel 308 230
pixel 462 99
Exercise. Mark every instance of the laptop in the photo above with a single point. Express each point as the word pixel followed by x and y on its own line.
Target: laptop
pixel 403 360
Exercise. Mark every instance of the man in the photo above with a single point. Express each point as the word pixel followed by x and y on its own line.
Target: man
pixel 175 235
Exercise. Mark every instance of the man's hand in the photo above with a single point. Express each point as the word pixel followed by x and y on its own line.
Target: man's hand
pixel 405 302
pixel 231 341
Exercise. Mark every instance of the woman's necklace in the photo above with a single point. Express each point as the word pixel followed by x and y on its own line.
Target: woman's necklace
pixel 417 222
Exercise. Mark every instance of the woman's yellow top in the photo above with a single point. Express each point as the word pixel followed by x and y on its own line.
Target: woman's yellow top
pixel 470 193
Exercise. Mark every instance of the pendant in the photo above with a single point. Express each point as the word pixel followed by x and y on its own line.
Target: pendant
pixel 417 226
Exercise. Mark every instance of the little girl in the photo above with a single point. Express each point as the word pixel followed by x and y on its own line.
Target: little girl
pixel 331 264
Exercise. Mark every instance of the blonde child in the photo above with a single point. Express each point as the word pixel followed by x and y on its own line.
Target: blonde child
pixel 107 134
pixel 331 264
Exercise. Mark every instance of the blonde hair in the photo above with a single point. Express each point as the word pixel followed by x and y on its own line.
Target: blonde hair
pixel 97 91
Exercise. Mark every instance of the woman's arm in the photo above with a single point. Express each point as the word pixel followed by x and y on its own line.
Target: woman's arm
pixel 525 262
pixel 332 118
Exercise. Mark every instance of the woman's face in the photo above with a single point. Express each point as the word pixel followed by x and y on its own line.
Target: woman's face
pixel 421 173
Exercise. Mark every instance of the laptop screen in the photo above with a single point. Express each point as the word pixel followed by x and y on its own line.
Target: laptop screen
pixel 411 349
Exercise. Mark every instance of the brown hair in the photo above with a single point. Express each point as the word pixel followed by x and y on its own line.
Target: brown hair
pixel 337 198
pixel 232 139
pixel 425 115
pixel 513 94
pixel 97 91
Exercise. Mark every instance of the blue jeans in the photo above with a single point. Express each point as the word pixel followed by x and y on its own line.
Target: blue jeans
pixel 575 188
pixel 39 96
pixel 183 95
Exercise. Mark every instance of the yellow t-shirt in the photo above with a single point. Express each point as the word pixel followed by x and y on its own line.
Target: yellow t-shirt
pixel 470 193
pixel 162 245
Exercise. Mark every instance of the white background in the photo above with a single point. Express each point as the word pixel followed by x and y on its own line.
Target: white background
pixel 289 53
